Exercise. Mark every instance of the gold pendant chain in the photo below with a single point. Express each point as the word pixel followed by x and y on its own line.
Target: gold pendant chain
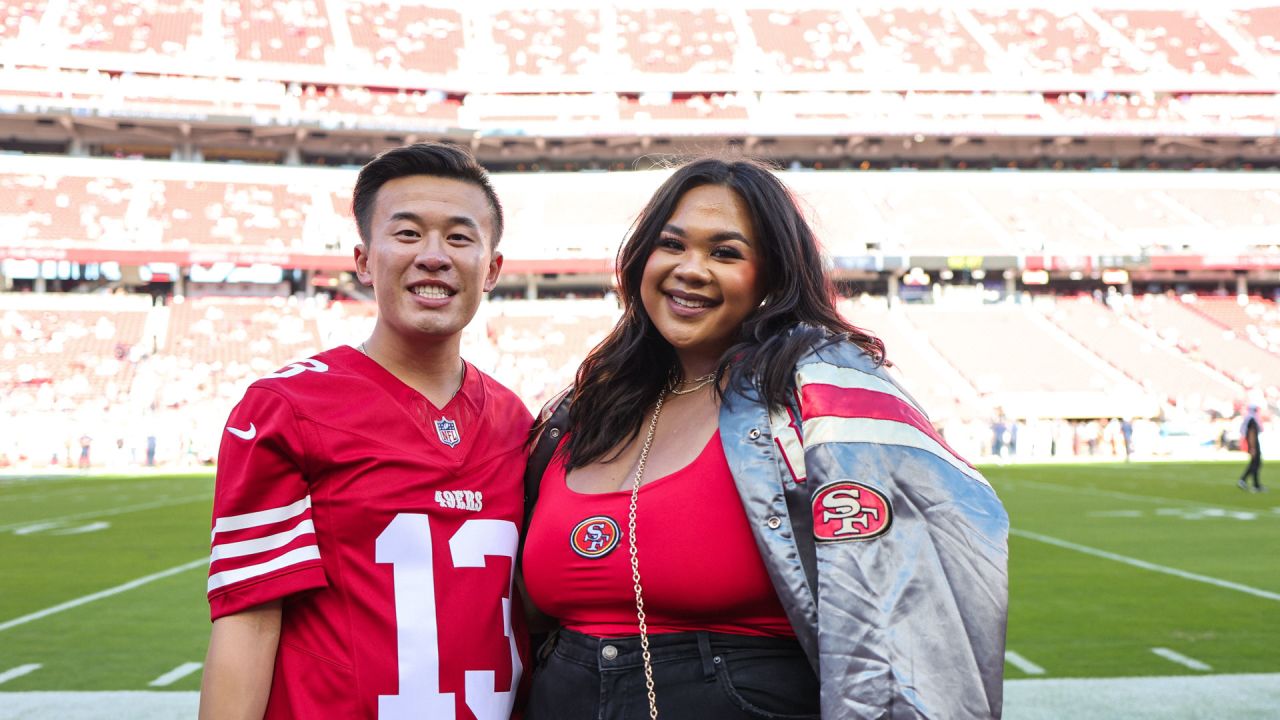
pixel 698 383
pixel 635 563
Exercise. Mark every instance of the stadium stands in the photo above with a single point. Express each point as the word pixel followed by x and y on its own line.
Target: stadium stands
pixel 807 41
pixel 161 27
pixel 275 31
pixel 926 41
pixel 1051 41
pixel 894 85
pixel 1261 25
pixel 1181 40
pixel 400 36
pixel 1211 343
pixel 548 41
pixel 1155 364
pixel 670 41
pixel 1250 318
pixel 65 353
pixel 988 346
pixel 95 203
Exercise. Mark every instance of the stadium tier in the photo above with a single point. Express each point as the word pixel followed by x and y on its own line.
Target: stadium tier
pixel 625 69
pixel 576 43
pixel 95 210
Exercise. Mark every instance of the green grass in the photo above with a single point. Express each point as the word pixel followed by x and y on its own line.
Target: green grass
pixel 1077 615
pixel 1074 614
pixel 124 641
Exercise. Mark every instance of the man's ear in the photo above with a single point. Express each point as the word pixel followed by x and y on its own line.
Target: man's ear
pixel 362 264
pixel 495 268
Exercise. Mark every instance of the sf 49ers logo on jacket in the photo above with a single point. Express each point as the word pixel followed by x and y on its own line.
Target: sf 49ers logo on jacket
pixel 595 537
pixel 846 510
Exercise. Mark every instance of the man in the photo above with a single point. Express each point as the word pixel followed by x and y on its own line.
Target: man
pixel 368 499
pixel 1250 429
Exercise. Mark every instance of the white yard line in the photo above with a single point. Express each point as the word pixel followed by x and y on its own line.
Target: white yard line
pixel 1076 490
pixel 1181 659
pixel 204 561
pixel 19 671
pixel 176 674
pixel 1227 584
pixel 108 512
pixel 1022 663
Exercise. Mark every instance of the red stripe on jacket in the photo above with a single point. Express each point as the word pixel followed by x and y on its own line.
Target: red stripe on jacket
pixel 818 399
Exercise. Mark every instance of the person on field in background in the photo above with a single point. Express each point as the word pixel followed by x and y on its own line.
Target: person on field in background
pixel 368 502
pixel 742 515
pixel 1250 436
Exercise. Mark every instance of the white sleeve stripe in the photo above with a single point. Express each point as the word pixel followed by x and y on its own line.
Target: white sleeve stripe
pixel 827 429
pixel 293 557
pixel 828 374
pixel 262 544
pixel 789 442
pixel 262 517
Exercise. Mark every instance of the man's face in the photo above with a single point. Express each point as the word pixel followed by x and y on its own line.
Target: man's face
pixel 429 256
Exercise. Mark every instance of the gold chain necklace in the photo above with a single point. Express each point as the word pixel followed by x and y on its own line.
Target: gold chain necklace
pixel 635 563
pixel 698 383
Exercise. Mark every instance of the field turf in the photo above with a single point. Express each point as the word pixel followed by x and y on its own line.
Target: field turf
pixel 1114 570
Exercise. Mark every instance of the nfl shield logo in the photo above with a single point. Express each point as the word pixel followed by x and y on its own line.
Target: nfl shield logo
pixel 447 431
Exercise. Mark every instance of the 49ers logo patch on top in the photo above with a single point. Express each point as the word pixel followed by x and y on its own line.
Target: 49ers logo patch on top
pixel 846 510
pixel 595 537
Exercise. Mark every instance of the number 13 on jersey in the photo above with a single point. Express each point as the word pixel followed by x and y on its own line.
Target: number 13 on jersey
pixel 405 544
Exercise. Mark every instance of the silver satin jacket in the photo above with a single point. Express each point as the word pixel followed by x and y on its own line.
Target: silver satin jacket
pixel 889 552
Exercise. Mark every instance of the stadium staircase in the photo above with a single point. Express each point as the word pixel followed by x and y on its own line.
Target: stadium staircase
pixel 1142 356
pixel 1209 341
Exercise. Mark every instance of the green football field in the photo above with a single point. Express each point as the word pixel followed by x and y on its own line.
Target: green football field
pixel 1116 571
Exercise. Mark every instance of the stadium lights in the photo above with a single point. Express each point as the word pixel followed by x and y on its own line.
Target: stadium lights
pixel 1035 277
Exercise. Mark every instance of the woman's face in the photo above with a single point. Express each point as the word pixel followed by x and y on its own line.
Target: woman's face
pixel 703 278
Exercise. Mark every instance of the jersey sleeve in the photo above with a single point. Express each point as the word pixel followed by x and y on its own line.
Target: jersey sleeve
pixel 263 542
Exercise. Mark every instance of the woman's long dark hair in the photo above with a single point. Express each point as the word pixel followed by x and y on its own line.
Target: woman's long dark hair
pixel 623 376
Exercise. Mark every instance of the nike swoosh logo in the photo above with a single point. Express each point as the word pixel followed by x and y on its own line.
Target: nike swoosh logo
pixel 243 434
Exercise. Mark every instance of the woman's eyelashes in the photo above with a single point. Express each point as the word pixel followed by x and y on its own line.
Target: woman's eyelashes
pixel 723 251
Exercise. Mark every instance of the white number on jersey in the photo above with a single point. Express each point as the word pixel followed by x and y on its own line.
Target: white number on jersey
pixel 406 545
pixel 298 368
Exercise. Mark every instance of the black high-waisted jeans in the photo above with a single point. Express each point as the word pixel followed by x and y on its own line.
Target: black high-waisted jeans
pixel 696 676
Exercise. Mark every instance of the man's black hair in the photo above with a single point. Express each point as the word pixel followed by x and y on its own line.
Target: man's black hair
pixel 432 159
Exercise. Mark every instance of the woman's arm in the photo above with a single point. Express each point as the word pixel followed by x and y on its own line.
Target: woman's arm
pixel 241 660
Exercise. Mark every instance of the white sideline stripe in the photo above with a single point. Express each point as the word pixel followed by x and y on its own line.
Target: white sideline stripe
pixel 1227 584
pixel 1181 659
pixel 102 594
pixel 828 374
pixel 1022 663
pixel 262 544
pixel 262 517
pixel 1141 698
pixel 19 671
pixel 176 674
pixel 293 557
pixel 826 429
pixel 108 513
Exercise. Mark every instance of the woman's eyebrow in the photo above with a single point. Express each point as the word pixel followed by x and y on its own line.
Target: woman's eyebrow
pixel 721 236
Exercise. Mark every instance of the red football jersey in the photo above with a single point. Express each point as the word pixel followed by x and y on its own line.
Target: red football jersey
pixel 390 528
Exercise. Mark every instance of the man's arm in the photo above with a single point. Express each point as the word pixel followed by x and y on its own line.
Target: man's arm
pixel 238 668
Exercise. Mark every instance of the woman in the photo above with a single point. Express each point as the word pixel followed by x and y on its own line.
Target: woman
pixel 745 516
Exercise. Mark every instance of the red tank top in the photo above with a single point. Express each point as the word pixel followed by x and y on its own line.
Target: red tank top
pixel 698 560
